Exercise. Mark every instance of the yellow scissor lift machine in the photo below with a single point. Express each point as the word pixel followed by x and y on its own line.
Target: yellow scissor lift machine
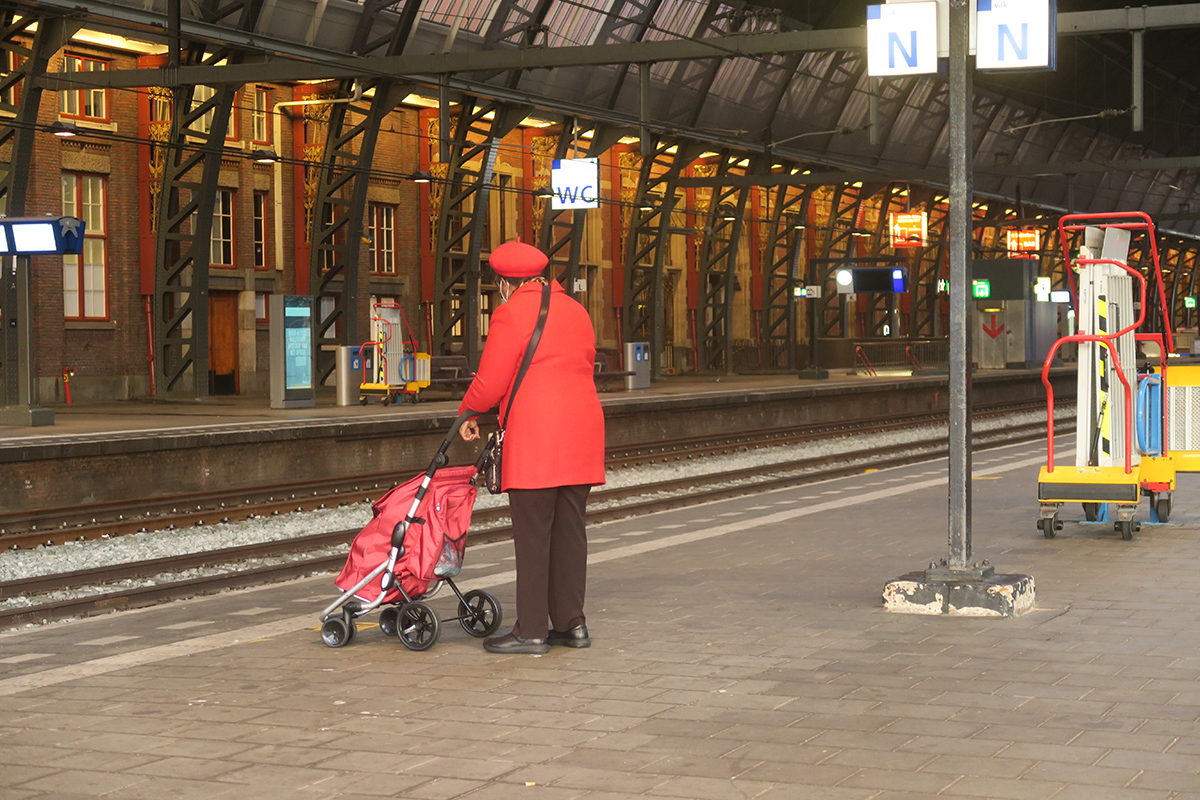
pixel 1114 468
pixel 397 370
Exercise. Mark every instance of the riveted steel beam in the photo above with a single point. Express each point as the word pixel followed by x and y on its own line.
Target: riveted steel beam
pixel 717 270
pixel 324 65
pixel 183 247
pixel 646 244
pixel 561 234
pixel 782 253
pixel 341 198
pixel 464 188
pixel 30 41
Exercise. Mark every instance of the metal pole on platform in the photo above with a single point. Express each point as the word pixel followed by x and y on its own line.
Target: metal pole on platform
pixel 960 288
pixel 957 586
pixel 20 388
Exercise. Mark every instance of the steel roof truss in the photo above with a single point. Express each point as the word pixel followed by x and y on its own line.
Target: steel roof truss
pixel 784 246
pixel 717 269
pixel 461 219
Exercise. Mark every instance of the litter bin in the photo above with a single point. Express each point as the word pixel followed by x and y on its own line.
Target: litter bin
pixel 349 374
pixel 637 361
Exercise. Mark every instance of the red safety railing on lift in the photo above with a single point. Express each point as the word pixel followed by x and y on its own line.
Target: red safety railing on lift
pixel 378 345
pixel 912 357
pixel 860 353
pixel 1132 221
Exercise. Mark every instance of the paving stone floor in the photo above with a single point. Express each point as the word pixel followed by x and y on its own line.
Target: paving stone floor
pixel 740 652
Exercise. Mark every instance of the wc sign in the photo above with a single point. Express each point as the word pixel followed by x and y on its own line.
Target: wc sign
pixel 575 183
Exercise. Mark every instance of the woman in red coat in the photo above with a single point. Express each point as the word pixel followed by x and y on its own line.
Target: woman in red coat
pixel 553 446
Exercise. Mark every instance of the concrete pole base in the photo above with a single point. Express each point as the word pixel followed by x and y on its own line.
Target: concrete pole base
pixel 972 594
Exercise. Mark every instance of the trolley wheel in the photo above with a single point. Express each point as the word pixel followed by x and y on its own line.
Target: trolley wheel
pixel 386 400
pixel 389 621
pixel 363 400
pixel 338 631
pixel 1049 526
pixel 479 613
pixel 1091 511
pixel 1162 507
pixel 419 626
pixel 1126 529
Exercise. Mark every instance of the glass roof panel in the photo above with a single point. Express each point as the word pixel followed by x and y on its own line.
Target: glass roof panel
pixel 472 15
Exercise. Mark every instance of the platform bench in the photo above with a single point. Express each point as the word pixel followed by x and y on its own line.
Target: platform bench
pixel 603 374
pixel 450 372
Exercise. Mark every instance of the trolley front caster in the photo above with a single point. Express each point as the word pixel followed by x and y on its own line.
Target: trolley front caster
pixel 418 626
pixel 338 631
pixel 479 613
pixel 389 621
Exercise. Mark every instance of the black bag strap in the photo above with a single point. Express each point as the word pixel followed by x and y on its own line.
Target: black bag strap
pixel 533 343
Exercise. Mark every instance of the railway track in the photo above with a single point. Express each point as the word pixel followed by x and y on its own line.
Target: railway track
pixel 185 510
pixel 324 552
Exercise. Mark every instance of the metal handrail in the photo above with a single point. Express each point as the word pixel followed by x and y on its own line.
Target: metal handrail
pixel 1084 337
pixel 916 362
pixel 858 351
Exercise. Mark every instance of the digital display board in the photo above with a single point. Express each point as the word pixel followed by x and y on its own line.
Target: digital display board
pixel 884 280
pixel 297 328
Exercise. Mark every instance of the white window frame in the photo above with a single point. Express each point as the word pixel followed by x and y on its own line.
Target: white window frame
pixel 85 277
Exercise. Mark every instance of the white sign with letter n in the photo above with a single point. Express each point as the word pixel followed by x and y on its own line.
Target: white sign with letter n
pixel 1016 34
pixel 902 39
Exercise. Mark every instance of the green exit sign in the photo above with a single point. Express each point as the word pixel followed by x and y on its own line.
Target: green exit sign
pixel 981 289
pixel 1189 302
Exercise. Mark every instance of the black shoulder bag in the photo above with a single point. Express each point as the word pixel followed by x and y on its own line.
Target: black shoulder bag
pixel 490 461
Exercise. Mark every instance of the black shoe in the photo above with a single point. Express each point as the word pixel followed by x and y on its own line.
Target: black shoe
pixel 511 643
pixel 571 637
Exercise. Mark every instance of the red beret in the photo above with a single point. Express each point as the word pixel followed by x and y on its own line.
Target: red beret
pixel 518 260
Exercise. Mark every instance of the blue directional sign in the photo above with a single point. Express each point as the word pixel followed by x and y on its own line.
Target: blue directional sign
pixel 39 236
pixel 1016 34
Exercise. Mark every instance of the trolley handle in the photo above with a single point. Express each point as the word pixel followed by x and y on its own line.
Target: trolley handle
pixel 440 459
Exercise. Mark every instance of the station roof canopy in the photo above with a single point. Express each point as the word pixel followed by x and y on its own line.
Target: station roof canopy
pixel 785 80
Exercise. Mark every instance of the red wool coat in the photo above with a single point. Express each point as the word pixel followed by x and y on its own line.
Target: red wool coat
pixel 555 433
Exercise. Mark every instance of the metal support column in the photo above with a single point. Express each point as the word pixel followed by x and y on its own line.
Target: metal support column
pixel 645 250
pixel 960 237
pixel 17 373
pixel 784 247
pixel 183 246
pixel 561 236
pixel 718 266
pixel 482 124
pixel 341 200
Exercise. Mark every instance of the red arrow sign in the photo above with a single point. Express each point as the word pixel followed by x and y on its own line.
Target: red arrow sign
pixel 994 330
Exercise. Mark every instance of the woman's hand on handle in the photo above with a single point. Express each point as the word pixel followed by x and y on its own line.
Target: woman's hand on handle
pixel 469 431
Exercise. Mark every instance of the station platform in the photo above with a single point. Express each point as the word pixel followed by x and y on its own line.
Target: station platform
pixel 740 651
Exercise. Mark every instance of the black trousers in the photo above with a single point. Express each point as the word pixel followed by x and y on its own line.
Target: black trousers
pixel 549 533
